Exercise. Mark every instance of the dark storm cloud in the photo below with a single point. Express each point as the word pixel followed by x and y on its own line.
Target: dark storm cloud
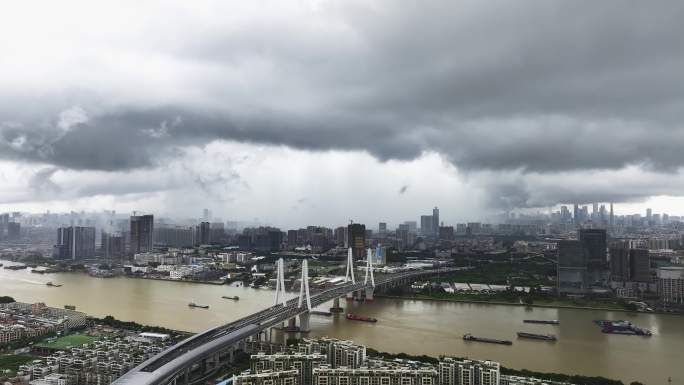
pixel 534 86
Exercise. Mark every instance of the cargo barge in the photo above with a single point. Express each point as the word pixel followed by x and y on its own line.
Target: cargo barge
pixel 192 304
pixel 622 327
pixel 470 337
pixel 355 317
pixel 545 337
pixel 546 322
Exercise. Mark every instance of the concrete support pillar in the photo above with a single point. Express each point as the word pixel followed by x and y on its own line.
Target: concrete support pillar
pixel 304 322
pixel 336 306
pixel 369 293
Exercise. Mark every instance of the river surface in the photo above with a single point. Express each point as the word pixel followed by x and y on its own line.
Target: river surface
pixel 411 326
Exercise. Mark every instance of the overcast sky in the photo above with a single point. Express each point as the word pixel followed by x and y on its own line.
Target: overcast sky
pixel 302 112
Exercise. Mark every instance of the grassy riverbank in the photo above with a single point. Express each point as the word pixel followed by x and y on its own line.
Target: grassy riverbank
pixel 498 300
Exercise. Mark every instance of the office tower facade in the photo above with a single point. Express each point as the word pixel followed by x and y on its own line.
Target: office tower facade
pixel 75 242
pixel 575 214
pixel 142 233
pixel 611 219
pixel 341 236
pixel 203 233
pixel 174 236
pixel 435 222
pixel 382 227
pixel 629 264
pixel 595 242
pixel 572 267
pixel 426 225
pixel 446 233
pixel 356 234
pixel 13 231
pixel 112 245
pixel 4 222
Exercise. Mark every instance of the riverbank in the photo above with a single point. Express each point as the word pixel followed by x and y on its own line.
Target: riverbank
pixel 547 306
pixel 218 283
pixel 558 377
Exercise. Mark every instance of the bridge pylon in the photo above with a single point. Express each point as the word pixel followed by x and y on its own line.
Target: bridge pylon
pixel 349 276
pixel 280 283
pixel 369 268
pixel 304 287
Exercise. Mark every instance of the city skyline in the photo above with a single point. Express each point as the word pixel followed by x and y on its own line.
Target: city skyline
pixel 329 110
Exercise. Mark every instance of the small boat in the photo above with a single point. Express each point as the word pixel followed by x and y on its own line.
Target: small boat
pixel 548 322
pixel 355 317
pixel 234 298
pixel 70 307
pixel 192 304
pixel 470 337
pixel 545 337
pixel 50 284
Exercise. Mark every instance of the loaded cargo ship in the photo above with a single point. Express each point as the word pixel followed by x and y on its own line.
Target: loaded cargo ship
pixel 355 317
pixel 192 304
pixel 470 337
pixel 234 298
pixel 622 327
pixel 545 337
pixel 537 321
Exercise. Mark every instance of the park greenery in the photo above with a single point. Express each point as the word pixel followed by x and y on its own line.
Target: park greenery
pixel 9 363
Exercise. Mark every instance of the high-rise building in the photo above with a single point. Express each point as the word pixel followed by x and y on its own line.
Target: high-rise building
pixel 446 233
pixel 575 214
pixel 435 222
pixel 454 371
pixel 611 220
pixel 341 236
pixel 356 234
pixel 75 242
pixel 649 215
pixel 583 264
pixel 303 363
pixel 572 267
pixel 174 236
pixel 412 226
pixel 13 231
pixel 203 233
pixel 112 245
pixel 382 227
pixel 629 264
pixel 4 222
pixel 594 241
pixel 292 239
pixel 142 234
pixel 671 284
pixel 339 353
pixel 426 225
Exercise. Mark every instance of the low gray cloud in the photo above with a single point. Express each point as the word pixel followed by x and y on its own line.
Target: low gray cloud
pixel 529 87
